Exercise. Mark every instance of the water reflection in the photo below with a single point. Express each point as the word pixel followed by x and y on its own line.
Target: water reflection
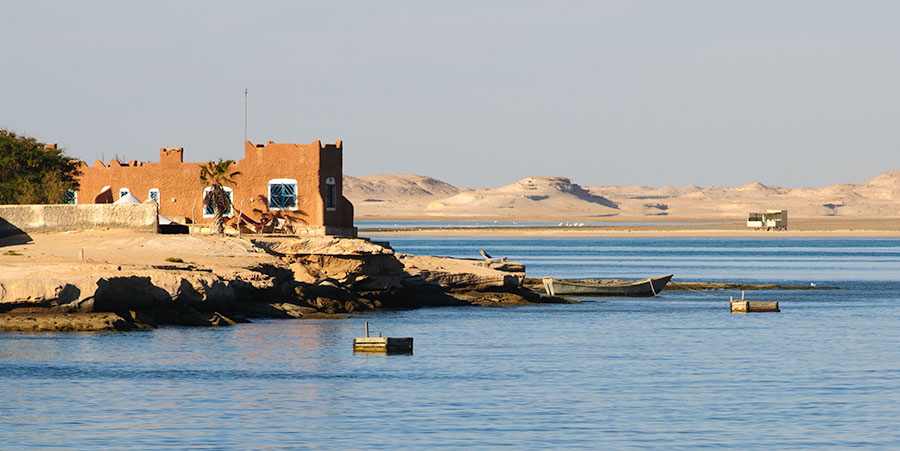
pixel 672 371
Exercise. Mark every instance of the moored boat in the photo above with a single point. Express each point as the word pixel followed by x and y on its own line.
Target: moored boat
pixel 645 287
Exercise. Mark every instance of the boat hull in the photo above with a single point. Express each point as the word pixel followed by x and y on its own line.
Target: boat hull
pixel 638 288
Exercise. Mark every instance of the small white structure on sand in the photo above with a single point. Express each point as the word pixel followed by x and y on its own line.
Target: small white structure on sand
pixel 770 220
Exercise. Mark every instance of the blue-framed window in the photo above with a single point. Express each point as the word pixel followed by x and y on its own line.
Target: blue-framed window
pixel 208 210
pixel 282 194
pixel 153 194
pixel 70 197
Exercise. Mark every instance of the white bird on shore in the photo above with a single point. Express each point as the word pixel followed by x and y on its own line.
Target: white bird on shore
pixel 812 284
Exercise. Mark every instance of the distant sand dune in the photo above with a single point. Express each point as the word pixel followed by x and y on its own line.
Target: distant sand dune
pixel 558 198
pixel 397 186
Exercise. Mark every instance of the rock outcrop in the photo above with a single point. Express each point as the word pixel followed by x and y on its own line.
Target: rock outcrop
pixel 310 277
pixel 46 321
pixel 458 274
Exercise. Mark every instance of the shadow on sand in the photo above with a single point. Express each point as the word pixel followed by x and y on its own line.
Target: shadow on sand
pixel 11 235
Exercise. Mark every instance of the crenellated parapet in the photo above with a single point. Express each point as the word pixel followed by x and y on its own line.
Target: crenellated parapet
pixel 290 184
pixel 171 155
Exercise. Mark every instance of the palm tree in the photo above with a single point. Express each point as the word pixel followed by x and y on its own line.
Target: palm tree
pixel 215 175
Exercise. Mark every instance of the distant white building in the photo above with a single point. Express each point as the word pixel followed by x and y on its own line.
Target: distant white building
pixel 770 220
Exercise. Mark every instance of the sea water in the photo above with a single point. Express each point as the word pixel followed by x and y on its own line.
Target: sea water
pixel 365 226
pixel 676 371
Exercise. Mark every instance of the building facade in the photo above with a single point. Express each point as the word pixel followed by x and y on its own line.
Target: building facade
pixel 770 220
pixel 293 187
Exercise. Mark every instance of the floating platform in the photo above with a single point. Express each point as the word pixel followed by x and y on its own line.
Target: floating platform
pixel 387 345
pixel 744 306
pixel 753 306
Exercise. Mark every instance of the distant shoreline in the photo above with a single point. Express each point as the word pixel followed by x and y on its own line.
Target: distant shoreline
pixel 559 199
pixel 798 228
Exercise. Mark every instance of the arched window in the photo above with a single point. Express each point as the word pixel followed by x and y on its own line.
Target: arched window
pixel 153 194
pixel 208 210
pixel 330 194
pixel 105 196
pixel 282 194
pixel 124 192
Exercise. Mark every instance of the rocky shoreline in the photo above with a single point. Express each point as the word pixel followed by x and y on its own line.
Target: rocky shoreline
pixel 94 281
pixel 266 278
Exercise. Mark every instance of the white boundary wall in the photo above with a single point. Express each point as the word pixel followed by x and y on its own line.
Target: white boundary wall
pixel 15 219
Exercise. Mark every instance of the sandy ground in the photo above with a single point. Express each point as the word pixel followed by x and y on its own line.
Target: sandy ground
pixel 798 228
pixel 128 248
pixel 118 247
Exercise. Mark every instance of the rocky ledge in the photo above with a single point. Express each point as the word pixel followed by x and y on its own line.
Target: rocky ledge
pixel 273 278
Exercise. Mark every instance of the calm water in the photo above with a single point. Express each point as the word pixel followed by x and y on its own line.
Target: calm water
pixel 369 225
pixel 676 371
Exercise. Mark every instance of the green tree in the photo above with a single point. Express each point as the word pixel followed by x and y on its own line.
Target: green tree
pixel 215 175
pixel 33 173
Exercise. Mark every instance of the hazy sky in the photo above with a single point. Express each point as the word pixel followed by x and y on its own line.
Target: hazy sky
pixel 476 93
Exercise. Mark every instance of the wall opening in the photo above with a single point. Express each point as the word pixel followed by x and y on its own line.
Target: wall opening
pixel 330 194
pixel 282 194
pixel 105 196
pixel 70 197
pixel 208 210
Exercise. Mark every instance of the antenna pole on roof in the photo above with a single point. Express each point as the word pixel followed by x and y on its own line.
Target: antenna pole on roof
pixel 245 116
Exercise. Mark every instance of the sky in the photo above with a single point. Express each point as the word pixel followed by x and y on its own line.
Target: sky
pixel 475 93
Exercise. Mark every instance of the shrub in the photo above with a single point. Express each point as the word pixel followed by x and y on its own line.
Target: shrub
pixel 33 173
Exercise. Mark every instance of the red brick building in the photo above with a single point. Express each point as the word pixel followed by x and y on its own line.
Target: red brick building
pixel 298 186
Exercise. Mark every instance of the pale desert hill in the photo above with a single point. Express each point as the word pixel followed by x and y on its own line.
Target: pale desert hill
pixel 560 199
pixel 877 197
pixel 397 186
pixel 417 197
pixel 394 196
pixel 528 199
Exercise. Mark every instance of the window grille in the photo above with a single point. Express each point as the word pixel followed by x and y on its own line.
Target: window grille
pixel 70 197
pixel 209 211
pixel 282 194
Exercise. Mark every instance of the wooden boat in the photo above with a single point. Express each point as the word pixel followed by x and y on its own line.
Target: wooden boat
pixel 646 287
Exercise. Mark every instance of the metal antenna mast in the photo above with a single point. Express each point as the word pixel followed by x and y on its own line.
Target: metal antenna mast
pixel 245 115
